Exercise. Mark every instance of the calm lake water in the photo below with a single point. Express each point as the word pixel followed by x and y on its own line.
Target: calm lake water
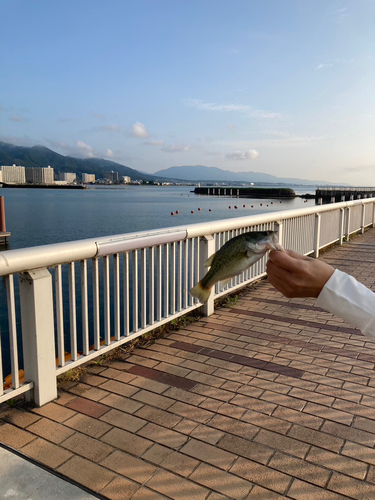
pixel 43 216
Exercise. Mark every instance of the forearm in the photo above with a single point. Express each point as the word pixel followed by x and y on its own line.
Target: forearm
pixel 344 296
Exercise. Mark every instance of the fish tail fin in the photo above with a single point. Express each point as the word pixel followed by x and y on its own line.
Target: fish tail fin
pixel 202 294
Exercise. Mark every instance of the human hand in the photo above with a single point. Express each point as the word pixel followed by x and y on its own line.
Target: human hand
pixel 295 275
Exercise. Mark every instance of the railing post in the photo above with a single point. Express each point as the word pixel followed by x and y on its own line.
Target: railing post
pixel 373 215
pixel 317 235
pixel 347 228
pixel 38 334
pixel 279 228
pixel 341 226
pixel 363 218
pixel 207 248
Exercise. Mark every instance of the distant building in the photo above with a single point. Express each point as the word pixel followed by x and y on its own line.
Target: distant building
pixel 88 178
pixel 68 177
pixel 126 179
pixel 13 174
pixel 39 175
pixel 1 175
pixel 111 176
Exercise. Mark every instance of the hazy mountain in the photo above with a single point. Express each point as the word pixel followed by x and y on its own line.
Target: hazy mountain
pixel 201 173
pixel 40 156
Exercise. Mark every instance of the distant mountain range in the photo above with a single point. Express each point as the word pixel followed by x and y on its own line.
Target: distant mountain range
pixel 40 156
pixel 200 173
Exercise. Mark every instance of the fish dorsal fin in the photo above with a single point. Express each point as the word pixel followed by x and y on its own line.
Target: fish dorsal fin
pixel 224 283
pixel 208 262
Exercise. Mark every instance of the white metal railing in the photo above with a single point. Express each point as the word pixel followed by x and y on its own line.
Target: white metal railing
pixel 71 302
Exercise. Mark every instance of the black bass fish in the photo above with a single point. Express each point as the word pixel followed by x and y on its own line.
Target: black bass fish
pixel 233 258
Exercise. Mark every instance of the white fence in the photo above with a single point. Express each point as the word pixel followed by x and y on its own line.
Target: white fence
pixel 71 302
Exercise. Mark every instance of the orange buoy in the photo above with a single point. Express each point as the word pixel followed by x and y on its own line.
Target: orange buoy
pixel 261 204
pixel 192 211
pixel 172 213
pixel 235 206
pixel 210 210
pixel 244 206
pixel 252 206
pixel 230 207
pixel 177 212
pixel 271 202
pixel 199 209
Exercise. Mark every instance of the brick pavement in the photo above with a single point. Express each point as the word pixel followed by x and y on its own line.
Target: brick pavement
pixel 269 398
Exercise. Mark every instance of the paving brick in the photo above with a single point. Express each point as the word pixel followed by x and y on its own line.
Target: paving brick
pixel 301 490
pixel 279 442
pixel 120 489
pixel 223 482
pixel 247 449
pixel 129 466
pixel 175 487
pixel 164 436
pixel 316 438
pixel 352 488
pixel 126 441
pixel 146 494
pixel 191 412
pixel 259 474
pixel 153 399
pixel 206 434
pixel 55 412
pixel 337 462
pixel 14 437
pixel 119 388
pixel 52 431
pixel 349 433
pixel 208 453
pixel 158 416
pixel 87 425
pixel 20 418
pixel 179 463
pixel 123 420
pixel 121 403
pixel 259 493
pixel 233 426
pixel 299 468
pixel 46 453
pixel 359 452
pixel 87 447
pixel 87 473
pixel 87 407
pixel 328 413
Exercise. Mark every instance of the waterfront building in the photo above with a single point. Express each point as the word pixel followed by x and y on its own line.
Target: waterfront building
pixel 126 179
pixel 88 178
pixel 68 177
pixel 13 174
pixel 1 175
pixel 39 175
pixel 111 176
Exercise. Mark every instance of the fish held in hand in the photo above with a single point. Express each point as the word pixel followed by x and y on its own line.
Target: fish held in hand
pixel 233 258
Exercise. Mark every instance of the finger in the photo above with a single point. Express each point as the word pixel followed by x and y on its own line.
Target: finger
pixel 278 272
pixel 284 260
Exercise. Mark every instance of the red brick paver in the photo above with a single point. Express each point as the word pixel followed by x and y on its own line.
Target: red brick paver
pixel 272 398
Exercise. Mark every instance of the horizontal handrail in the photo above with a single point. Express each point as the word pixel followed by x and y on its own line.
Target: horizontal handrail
pixel 19 260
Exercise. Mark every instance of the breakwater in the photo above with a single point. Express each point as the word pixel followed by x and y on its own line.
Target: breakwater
pixel 247 192
pixel 44 186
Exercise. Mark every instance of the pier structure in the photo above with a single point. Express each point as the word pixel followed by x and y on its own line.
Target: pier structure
pixel 337 194
pixel 246 192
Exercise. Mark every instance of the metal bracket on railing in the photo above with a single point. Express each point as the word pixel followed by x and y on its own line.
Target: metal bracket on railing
pixel 132 242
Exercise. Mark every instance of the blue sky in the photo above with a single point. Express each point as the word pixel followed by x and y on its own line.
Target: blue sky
pixel 285 87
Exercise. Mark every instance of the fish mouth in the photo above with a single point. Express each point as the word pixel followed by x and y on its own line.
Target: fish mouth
pixel 273 243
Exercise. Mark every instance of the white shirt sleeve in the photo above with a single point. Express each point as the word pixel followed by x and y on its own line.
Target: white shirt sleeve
pixel 344 296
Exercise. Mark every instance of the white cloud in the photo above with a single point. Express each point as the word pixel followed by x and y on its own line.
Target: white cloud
pixel 241 108
pixel 174 148
pixel 155 143
pixel 231 126
pixel 321 66
pixel 85 149
pixel 109 153
pixel 138 129
pixel 250 154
